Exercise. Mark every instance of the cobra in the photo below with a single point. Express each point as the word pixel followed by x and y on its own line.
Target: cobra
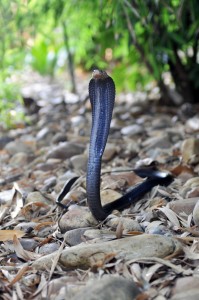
pixel 102 98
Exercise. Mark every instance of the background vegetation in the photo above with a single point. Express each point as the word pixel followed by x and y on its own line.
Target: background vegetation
pixel 139 40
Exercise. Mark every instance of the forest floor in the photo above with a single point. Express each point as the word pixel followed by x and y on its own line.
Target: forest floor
pixel 149 251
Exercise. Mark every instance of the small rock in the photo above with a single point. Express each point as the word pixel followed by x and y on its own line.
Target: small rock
pixel 76 217
pixel 192 125
pixel 127 223
pixel 161 142
pixel 6 196
pixel 109 152
pixel 102 234
pixel 92 255
pixel 59 137
pixel 49 248
pixel 79 162
pixel 65 150
pixel 19 159
pixel 196 213
pixel 36 197
pixel 108 195
pixel 77 120
pixel 155 227
pixel 49 183
pixel 189 149
pixel 26 226
pixel 45 167
pixel 161 123
pixel 44 134
pixel 4 140
pixel 109 287
pixel 75 195
pixel 186 288
pixel 132 130
pixel 75 236
pixel 18 146
pixel 29 244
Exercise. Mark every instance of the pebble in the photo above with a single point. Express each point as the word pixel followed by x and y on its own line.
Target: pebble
pixel 127 224
pixel 108 196
pixel 65 150
pixel 132 130
pixel 109 152
pixel 192 125
pixel 79 162
pixel 4 140
pixel 186 288
pixel 19 159
pixel 76 217
pixel 59 137
pixel 36 197
pixel 18 146
pixel 161 142
pixel 44 134
pixel 92 255
pixel 99 234
pixel 75 236
pixel 6 196
pixel 108 287
pixel 29 244
pixel 49 248
pixel 189 149
pixel 26 226
pixel 156 228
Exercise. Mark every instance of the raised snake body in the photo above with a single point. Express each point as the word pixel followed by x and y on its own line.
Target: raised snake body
pixel 102 98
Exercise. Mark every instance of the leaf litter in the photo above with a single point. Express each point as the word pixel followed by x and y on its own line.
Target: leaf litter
pixel 39 158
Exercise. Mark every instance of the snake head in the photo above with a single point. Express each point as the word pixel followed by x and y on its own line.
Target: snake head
pixel 99 74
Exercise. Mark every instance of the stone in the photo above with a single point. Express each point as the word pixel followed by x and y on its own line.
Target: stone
pixel 18 146
pixel 109 152
pixel 36 197
pixel 19 159
pixel 75 236
pixel 189 148
pixel 48 248
pixel 91 255
pixel 79 162
pixel 132 130
pixel 127 224
pixel 65 150
pixel 76 217
pixel 108 287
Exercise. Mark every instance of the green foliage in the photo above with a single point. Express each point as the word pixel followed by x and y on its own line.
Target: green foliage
pixel 9 94
pixel 137 40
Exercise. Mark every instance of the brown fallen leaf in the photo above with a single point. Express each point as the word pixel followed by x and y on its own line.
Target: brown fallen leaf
pixel 7 235
pixel 24 254
pixel 19 275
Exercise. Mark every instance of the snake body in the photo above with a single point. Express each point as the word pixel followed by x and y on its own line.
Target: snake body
pixel 102 98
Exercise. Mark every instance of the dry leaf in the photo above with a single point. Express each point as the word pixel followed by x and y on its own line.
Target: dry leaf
pixel 24 254
pixel 7 235
pixel 20 274
pixel 170 215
